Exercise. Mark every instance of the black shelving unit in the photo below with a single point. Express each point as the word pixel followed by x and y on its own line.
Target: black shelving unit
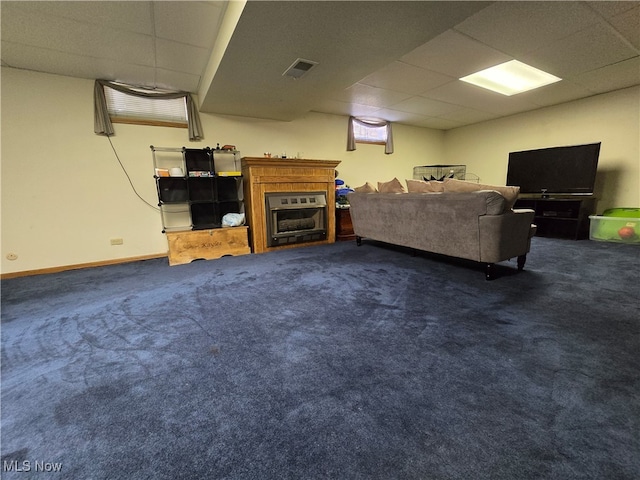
pixel 560 217
pixel 197 196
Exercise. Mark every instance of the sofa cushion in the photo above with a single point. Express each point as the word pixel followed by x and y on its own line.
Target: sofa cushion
pixel 366 188
pixel 422 186
pixel 392 186
pixel 509 193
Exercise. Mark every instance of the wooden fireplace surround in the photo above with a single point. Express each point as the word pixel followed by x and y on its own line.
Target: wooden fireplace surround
pixel 274 175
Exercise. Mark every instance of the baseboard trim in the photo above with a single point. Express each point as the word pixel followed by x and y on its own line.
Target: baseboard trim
pixel 78 266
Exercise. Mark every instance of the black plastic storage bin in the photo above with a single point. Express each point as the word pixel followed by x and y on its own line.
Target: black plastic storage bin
pixel 172 190
pixel 201 189
pixel 230 207
pixel 229 188
pixel 205 215
pixel 198 160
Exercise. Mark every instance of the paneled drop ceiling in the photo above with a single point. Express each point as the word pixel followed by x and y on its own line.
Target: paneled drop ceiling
pixel 392 60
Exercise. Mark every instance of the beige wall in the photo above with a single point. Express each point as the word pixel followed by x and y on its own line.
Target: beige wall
pixel 64 195
pixel 612 118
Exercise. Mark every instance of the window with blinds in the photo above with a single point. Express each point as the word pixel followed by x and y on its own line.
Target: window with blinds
pixel 125 108
pixel 369 134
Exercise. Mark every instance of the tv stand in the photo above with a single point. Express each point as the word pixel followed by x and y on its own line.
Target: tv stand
pixel 560 217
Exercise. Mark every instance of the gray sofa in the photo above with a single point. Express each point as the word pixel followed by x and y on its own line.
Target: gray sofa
pixel 478 226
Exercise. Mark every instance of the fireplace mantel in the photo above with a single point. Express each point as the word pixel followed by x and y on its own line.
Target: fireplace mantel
pixel 272 175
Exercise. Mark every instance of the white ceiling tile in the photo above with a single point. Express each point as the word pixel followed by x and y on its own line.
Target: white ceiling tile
pixel 405 78
pixel 511 105
pixel 344 108
pixel 180 57
pixel 455 55
pixel 559 92
pixel 589 49
pixel 119 15
pixel 138 75
pixel 469 115
pixel 519 27
pixel 197 25
pixel 463 94
pixel 124 47
pixel 40 59
pixel 460 93
pixel 613 77
pixel 177 80
pixel 22 27
pixel 438 124
pixel 425 106
pixel 78 38
pixel 372 96
pixel 612 8
pixel 392 115
pixel 628 24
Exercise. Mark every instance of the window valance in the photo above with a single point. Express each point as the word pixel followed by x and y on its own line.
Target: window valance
pixel 351 140
pixel 102 123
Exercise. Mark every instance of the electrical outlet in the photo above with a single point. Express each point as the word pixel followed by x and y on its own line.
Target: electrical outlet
pixel 12 256
pixel 117 241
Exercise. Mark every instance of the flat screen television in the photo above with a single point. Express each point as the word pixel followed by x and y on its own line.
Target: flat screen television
pixel 567 170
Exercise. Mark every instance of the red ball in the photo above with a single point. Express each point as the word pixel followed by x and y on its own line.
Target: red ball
pixel 627 232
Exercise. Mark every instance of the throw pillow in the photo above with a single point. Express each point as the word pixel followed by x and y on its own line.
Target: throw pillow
pixel 509 193
pixel 420 186
pixel 392 186
pixel 366 188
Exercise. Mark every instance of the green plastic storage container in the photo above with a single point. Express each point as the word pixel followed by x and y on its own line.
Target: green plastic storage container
pixel 616 225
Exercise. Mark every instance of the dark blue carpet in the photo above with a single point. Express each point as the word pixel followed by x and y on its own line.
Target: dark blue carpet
pixel 330 362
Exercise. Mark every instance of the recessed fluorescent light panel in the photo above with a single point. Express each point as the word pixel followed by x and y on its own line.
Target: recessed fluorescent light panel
pixel 511 78
pixel 299 68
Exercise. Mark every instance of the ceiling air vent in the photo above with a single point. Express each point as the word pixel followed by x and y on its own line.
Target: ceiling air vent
pixel 299 68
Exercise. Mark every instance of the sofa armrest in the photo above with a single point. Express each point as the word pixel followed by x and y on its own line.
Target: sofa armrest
pixel 506 236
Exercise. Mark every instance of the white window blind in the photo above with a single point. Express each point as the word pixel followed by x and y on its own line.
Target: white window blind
pixel 369 134
pixel 360 130
pixel 122 105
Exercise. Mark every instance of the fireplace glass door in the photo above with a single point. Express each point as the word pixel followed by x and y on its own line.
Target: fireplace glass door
pixel 296 217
